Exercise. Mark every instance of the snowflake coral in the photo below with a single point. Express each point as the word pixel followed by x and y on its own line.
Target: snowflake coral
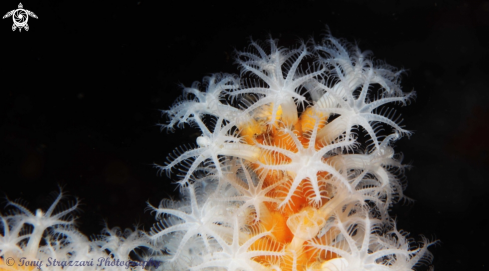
pixel 286 180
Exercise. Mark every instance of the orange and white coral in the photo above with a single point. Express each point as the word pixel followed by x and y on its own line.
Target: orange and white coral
pixel 292 171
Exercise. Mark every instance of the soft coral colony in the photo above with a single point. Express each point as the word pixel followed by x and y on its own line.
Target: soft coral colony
pixel 280 178
pixel 293 171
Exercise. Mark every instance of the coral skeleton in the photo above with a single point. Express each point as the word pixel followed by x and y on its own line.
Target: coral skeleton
pixel 294 170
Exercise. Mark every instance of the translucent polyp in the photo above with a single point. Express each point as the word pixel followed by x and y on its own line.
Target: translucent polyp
pixel 305 224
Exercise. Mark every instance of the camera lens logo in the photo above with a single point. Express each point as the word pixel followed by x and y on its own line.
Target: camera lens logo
pixel 20 17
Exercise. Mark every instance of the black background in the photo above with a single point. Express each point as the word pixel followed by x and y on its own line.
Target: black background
pixel 80 94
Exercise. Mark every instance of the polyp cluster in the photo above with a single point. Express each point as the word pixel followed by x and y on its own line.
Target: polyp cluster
pixel 294 169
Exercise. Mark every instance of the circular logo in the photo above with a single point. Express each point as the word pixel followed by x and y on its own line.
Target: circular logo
pixel 20 17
